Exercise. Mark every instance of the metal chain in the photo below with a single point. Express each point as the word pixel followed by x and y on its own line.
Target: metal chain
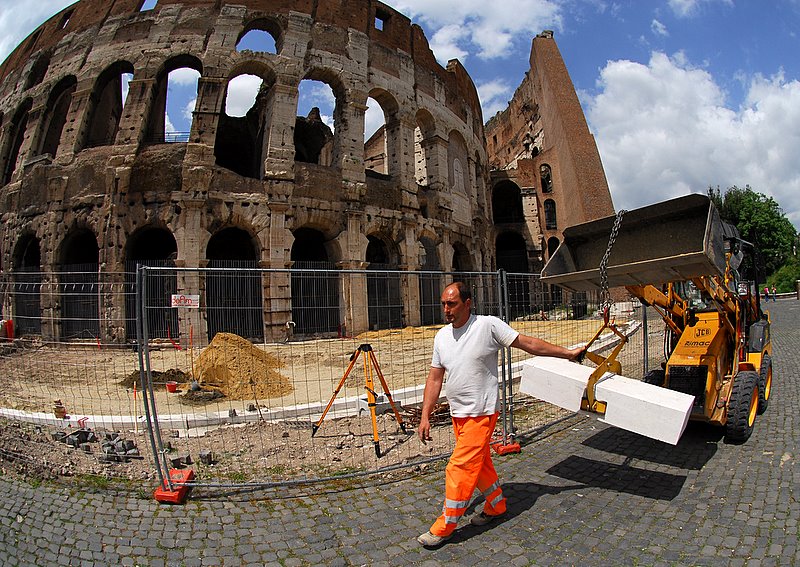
pixel 605 296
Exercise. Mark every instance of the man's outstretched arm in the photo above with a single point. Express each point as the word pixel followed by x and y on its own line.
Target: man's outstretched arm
pixel 538 347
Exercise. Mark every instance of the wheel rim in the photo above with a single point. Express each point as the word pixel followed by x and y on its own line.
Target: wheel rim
pixel 751 416
pixel 768 383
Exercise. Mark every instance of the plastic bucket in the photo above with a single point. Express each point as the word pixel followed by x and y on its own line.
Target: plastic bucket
pixel 172 387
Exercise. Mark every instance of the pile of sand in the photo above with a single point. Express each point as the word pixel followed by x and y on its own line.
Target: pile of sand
pixel 240 370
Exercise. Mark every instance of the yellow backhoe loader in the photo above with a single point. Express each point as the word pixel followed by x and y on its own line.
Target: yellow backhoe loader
pixel 679 257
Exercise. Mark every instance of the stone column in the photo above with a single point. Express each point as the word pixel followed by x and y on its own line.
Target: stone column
pixel 410 252
pixel 277 286
pixel 353 287
pixel 188 236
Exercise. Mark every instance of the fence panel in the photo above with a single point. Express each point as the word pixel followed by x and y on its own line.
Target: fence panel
pixel 264 378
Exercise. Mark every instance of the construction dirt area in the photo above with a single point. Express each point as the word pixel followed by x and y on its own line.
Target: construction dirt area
pixel 232 377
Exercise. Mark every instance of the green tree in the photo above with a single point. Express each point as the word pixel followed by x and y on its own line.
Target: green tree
pixel 760 220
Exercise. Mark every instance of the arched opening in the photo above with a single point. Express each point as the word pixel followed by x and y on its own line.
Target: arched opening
pixel 19 123
pixel 430 284
pixel 315 285
pixel 380 134
pixel 424 145
pixel 555 291
pixel 262 35
pixel 458 170
pixel 244 123
pixel 507 203
pixel 79 285
pixel 106 104
pixel 175 96
pixel 512 256
pixel 152 246
pixel 384 301
pixel 55 118
pixel 27 286
pixel 38 70
pixel 315 125
pixel 234 302
pixel 550 218
pixel 552 246
pixel 546 178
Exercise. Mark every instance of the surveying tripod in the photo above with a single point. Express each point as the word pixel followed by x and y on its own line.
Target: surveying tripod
pixel 370 365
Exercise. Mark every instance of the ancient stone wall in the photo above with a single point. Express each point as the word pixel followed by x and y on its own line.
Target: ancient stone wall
pixel 541 151
pixel 92 180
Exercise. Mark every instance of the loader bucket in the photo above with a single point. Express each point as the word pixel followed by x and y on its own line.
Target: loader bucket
pixel 669 241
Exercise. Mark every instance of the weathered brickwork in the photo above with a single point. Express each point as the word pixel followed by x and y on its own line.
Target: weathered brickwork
pixel 542 154
pixel 94 183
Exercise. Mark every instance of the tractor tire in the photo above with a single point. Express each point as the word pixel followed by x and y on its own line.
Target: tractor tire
pixel 742 407
pixel 655 377
pixel 764 384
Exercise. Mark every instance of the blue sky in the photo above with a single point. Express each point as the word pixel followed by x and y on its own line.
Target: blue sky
pixel 680 94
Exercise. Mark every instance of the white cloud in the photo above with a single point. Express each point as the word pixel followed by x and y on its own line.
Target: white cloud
pixel 688 8
pixel 494 96
pixel 664 130
pixel 242 91
pixel 658 28
pixel 374 118
pixel 18 18
pixel 184 76
pixel 462 27
pixel 188 110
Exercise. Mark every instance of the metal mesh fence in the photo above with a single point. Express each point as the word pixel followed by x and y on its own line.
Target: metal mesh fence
pixel 255 376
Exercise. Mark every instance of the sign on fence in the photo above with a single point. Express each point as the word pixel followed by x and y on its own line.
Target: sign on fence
pixel 181 300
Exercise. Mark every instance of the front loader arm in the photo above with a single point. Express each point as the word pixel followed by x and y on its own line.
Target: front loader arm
pixel 669 305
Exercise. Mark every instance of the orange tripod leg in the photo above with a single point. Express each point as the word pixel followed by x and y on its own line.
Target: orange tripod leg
pixel 353 359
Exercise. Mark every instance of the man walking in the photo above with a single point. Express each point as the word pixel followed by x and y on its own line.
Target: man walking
pixel 467 350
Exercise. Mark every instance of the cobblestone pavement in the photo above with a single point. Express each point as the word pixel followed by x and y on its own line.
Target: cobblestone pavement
pixel 580 494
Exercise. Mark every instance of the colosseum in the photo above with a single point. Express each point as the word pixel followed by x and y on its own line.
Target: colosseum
pixel 94 182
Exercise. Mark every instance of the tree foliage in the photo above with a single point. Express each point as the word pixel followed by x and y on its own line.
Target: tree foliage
pixel 760 221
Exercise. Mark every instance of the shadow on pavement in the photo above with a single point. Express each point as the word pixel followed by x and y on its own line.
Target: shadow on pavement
pixel 696 447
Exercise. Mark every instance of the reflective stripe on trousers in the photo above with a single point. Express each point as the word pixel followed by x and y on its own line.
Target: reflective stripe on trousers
pixel 470 467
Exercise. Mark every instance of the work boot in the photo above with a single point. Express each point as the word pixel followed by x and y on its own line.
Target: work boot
pixel 483 518
pixel 429 540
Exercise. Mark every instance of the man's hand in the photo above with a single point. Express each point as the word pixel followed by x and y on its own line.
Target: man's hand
pixel 424 430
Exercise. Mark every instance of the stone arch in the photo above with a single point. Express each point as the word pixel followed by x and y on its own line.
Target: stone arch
pixel 380 150
pixel 546 178
pixel 105 107
pixel 240 140
pixel 552 245
pixel 430 282
pixel 78 264
pixel 550 217
pixel 316 142
pixel 26 263
pixel 13 143
pixel 424 148
pixel 269 26
pixel 458 172
pixel 234 302
pixel 384 300
pixel 315 287
pixel 58 104
pixel 512 256
pixel 156 129
pixel 331 152
pixel 38 70
pixel 153 246
pixel 507 203
pixel 462 259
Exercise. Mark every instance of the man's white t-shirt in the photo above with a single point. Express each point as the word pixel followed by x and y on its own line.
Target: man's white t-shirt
pixel 469 355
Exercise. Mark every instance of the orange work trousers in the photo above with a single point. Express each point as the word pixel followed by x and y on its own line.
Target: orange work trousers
pixel 470 467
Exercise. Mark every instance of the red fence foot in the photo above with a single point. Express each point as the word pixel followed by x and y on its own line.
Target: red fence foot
pixel 180 489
